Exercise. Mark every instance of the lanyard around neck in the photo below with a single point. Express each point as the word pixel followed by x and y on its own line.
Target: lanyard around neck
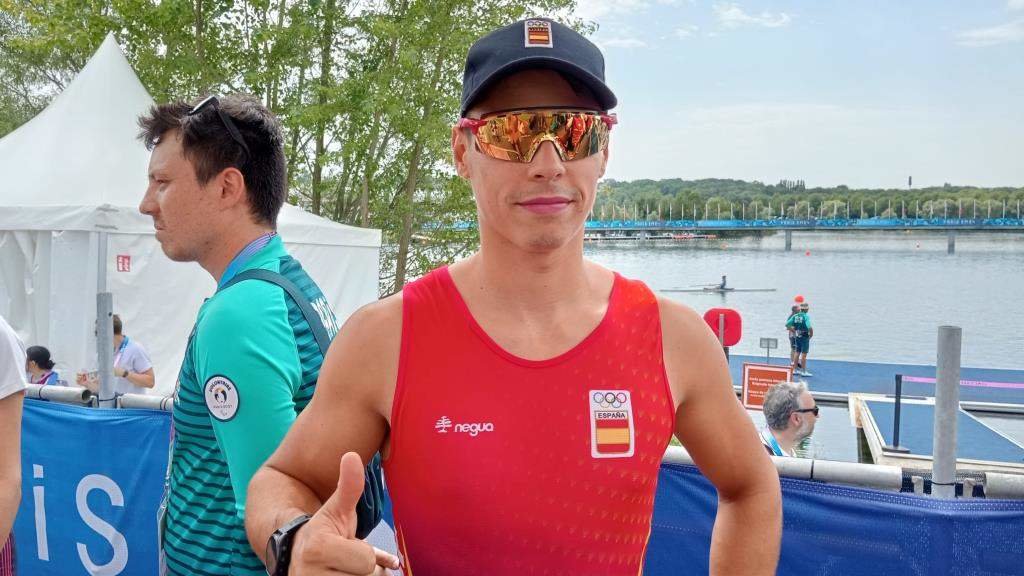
pixel 120 350
pixel 243 257
pixel 773 443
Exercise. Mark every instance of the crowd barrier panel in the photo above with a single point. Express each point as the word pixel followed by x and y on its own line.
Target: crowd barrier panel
pixel 92 481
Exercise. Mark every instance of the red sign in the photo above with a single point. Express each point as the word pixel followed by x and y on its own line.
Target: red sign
pixel 758 378
pixel 733 324
pixel 124 263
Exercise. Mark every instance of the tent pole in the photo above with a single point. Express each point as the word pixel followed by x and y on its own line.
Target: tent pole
pixel 104 328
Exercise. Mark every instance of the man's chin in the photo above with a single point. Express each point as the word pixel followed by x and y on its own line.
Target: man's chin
pixel 174 254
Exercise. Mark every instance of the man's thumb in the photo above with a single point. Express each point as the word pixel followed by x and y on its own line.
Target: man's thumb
pixel 342 504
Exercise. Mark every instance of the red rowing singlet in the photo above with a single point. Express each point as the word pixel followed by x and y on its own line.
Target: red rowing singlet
pixel 506 466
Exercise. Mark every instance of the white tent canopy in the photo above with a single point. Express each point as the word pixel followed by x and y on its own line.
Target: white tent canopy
pixel 77 170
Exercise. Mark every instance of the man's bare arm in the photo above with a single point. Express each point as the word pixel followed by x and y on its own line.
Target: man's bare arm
pixel 145 379
pixel 723 443
pixel 10 461
pixel 347 414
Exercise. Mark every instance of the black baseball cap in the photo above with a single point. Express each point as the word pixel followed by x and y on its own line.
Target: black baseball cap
pixel 529 44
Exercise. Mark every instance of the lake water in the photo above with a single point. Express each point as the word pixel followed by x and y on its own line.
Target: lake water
pixel 874 297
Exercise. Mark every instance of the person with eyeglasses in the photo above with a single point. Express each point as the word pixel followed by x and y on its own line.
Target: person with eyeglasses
pixel 790 414
pixel 523 397
pixel 216 185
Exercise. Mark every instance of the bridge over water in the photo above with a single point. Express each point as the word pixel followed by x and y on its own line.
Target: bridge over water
pixel 645 228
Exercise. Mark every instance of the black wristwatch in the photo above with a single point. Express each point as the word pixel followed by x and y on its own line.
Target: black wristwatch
pixel 279 547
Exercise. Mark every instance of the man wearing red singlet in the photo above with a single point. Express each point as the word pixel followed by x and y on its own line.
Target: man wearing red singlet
pixel 523 397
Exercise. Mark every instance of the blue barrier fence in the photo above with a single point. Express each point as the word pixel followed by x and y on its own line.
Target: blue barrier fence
pixel 92 481
pixel 834 530
pixel 91 484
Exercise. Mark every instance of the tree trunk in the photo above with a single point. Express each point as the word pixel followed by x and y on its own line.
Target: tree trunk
pixel 364 202
pixel 326 37
pixel 200 49
pixel 405 235
pixel 412 177
pixel 272 82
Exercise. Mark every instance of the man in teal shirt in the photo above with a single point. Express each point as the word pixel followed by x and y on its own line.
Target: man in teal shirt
pixel 216 184
pixel 800 326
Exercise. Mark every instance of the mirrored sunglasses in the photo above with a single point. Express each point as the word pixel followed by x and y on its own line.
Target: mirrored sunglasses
pixel 517 135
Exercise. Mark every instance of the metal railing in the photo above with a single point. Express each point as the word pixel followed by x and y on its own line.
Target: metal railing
pixel 64 394
pixel 846 473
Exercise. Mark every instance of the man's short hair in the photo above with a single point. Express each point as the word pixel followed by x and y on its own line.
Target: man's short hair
pixel 208 144
pixel 118 326
pixel 780 402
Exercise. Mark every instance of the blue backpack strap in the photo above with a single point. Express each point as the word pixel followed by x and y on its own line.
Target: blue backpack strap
pixel 369 509
pixel 316 324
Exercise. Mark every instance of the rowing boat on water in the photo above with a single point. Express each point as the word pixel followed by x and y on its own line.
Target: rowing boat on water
pixel 718 290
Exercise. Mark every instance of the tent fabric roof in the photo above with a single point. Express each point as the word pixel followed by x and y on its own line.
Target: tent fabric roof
pixel 78 164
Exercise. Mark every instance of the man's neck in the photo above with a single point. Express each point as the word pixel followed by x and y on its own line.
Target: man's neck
pixel 118 339
pixel 530 281
pixel 786 439
pixel 216 261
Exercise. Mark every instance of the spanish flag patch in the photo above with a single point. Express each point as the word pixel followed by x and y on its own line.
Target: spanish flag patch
pixel 538 34
pixel 611 424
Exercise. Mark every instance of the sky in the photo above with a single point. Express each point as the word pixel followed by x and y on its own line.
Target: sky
pixel 862 93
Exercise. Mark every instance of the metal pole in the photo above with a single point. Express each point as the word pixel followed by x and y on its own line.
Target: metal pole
pixel 101 263
pixel 947 406
pixel 896 415
pixel 104 328
pixel 721 335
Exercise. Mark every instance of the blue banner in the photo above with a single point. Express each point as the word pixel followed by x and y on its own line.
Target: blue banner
pixel 92 481
pixel 841 531
pixel 91 484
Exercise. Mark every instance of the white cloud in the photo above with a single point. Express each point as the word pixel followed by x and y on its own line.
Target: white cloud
pixel 623 43
pixel 595 9
pixel 1015 4
pixel 732 16
pixel 1008 33
pixel 686 30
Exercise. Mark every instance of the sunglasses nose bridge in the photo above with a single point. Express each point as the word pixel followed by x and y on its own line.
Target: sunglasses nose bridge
pixel 539 143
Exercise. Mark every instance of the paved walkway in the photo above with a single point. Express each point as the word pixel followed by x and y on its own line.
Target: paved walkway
pixel 976 384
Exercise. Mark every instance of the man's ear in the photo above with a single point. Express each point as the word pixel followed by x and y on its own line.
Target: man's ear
pixel 232 187
pixel 460 147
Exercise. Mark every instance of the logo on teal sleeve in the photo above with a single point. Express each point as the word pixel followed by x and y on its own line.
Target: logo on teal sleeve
pixel 221 398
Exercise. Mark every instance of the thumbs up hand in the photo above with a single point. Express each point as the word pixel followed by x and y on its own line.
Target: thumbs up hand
pixel 327 544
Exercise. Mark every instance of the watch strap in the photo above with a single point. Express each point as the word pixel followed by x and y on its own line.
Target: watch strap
pixel 279 547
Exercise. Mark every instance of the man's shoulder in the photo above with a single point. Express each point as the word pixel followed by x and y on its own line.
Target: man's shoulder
pixel 379 319
pixel 373 331
pixel 247 305
pixel 679 318
pixel 135 347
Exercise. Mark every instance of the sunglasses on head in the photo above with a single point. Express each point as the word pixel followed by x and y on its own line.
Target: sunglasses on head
pixel 515 136
pixel 213 102
pixel 814 410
